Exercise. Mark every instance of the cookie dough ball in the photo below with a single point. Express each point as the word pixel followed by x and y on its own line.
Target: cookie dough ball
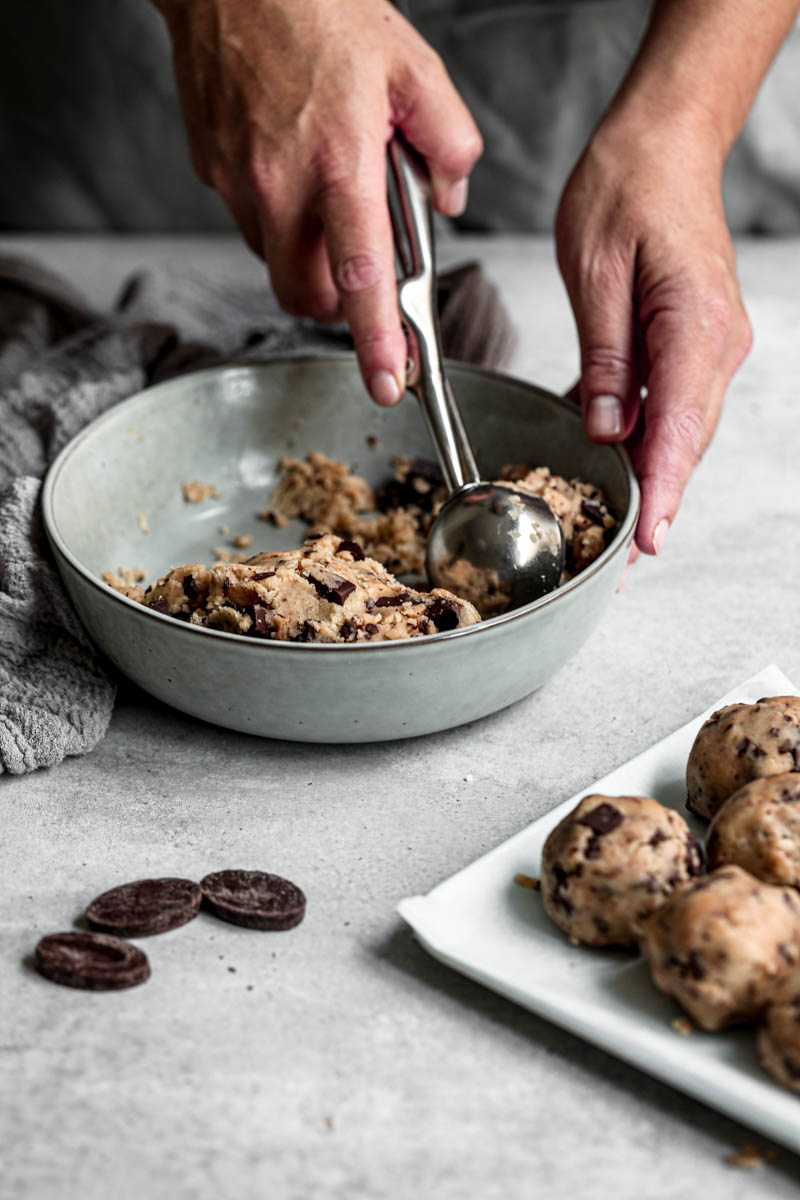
pixel 779 1044
pixel 739 743
pixel 610 862
pixel 758 828
pixel 721 944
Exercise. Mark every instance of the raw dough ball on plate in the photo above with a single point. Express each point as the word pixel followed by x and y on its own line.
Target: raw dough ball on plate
pixel 779 1035
pixel 758 828
pixel 738 743
pixel 610 862
pixel 720 945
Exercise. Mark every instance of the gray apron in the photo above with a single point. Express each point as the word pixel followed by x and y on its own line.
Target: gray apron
pixel 91 136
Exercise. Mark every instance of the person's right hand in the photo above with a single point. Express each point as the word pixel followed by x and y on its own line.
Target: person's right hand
pixel 289 107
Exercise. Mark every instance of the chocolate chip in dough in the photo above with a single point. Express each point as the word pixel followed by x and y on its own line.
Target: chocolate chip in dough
pixel 145 906
pixel 353 549
pixel 159 605
pixel 602 819
pixel 444 614
pixel 336 592
pixel 254 899
pixel 95 962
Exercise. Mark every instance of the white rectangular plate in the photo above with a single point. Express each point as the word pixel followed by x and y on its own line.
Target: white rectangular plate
pixel 483 924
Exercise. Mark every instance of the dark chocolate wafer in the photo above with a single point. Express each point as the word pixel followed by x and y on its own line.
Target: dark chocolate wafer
pixel 96 962
pixel 254 899
pixel 145 906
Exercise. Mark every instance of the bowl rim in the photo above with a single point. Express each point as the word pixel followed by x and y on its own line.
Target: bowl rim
pixel 619 544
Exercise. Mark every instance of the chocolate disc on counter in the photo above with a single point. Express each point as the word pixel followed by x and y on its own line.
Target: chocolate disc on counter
pixel 145 906
pixel 95 962
pixel 254 899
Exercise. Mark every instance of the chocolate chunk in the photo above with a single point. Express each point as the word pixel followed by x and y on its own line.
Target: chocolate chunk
pixel 602 819
pixel 254 899
pixel 444 613
pixel 658 837
pixel 348 631
pixel 95 962
pixel 226 583
pixel 159 605
pixel 695 966
pixel 181 616
pixel 371 629
pixel 694 856
pixel 424 468
pixel 263 575
pixel 758 752
pixel 190 587
pixel 306 633
pixel 786 954
pixel 353 549
pixel 393 601
pixel 144 907
pixel 336 592
pixel 742 746
pixel 262 620
pixel 557 897
pixel 593 511
pixel 314 537
pixel 601 924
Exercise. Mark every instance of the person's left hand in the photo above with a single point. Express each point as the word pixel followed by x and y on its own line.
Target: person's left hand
pixel 650 270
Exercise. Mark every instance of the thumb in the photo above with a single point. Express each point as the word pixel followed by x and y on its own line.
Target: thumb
pixel 603 304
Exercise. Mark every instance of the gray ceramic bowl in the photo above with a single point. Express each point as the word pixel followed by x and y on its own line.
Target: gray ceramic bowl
pixel 229 426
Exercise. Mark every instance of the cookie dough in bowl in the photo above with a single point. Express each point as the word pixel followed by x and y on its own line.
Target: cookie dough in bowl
pixel 739 743
pixel 611 862
pixel 720 945
pixel 758 828
pixel 327 591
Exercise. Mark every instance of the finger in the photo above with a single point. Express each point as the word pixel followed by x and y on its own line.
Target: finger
pixel 360 249
pixel 601 293
pixel 297 258
pixel 436 121
pixel 685 388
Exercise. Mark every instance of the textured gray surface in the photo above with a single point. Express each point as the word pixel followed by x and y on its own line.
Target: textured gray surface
pixel 357 1066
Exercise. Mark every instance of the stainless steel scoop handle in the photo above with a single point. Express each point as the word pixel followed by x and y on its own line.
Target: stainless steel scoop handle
pixel 412 222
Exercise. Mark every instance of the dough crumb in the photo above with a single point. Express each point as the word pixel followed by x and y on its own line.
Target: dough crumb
pixel 371 441
pixel 243 540
pixel 526 881
pixel 141 518
pixel 195 492
pixel 224 530
pixel 683 1026
pixel 221 554
pixel 750 1157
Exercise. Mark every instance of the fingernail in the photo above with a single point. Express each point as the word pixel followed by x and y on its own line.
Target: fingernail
pixel 454 200
pixel 604 416
pixel 660 533
pixel 383 388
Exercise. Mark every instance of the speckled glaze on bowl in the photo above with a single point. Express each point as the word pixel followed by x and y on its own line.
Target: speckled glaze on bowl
pixel 229 426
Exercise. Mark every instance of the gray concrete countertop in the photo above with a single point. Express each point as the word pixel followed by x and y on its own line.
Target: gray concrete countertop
pixel 338 1060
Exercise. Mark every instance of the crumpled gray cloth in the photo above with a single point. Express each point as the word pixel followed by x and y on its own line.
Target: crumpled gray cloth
pixel 62 365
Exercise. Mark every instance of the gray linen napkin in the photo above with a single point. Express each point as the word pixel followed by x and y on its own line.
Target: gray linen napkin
pixel 62 365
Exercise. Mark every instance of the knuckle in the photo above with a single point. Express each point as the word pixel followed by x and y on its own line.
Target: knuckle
pixel 605 367
pixel 357 273
pixel 681 431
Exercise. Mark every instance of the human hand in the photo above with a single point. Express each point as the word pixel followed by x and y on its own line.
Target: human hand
pixel 650 271
pixel 288 109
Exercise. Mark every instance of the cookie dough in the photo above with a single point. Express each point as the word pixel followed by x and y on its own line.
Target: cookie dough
pixel 326 495
pixel 720 944
pixel 327 591
pixel 610 862
pixel 758 828
pixel 739 743
pixel 779 1035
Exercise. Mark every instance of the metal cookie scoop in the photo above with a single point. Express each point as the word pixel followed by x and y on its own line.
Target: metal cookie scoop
pixel 491 543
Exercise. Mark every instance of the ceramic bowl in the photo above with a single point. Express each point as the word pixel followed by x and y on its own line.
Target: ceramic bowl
pixel 114 498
